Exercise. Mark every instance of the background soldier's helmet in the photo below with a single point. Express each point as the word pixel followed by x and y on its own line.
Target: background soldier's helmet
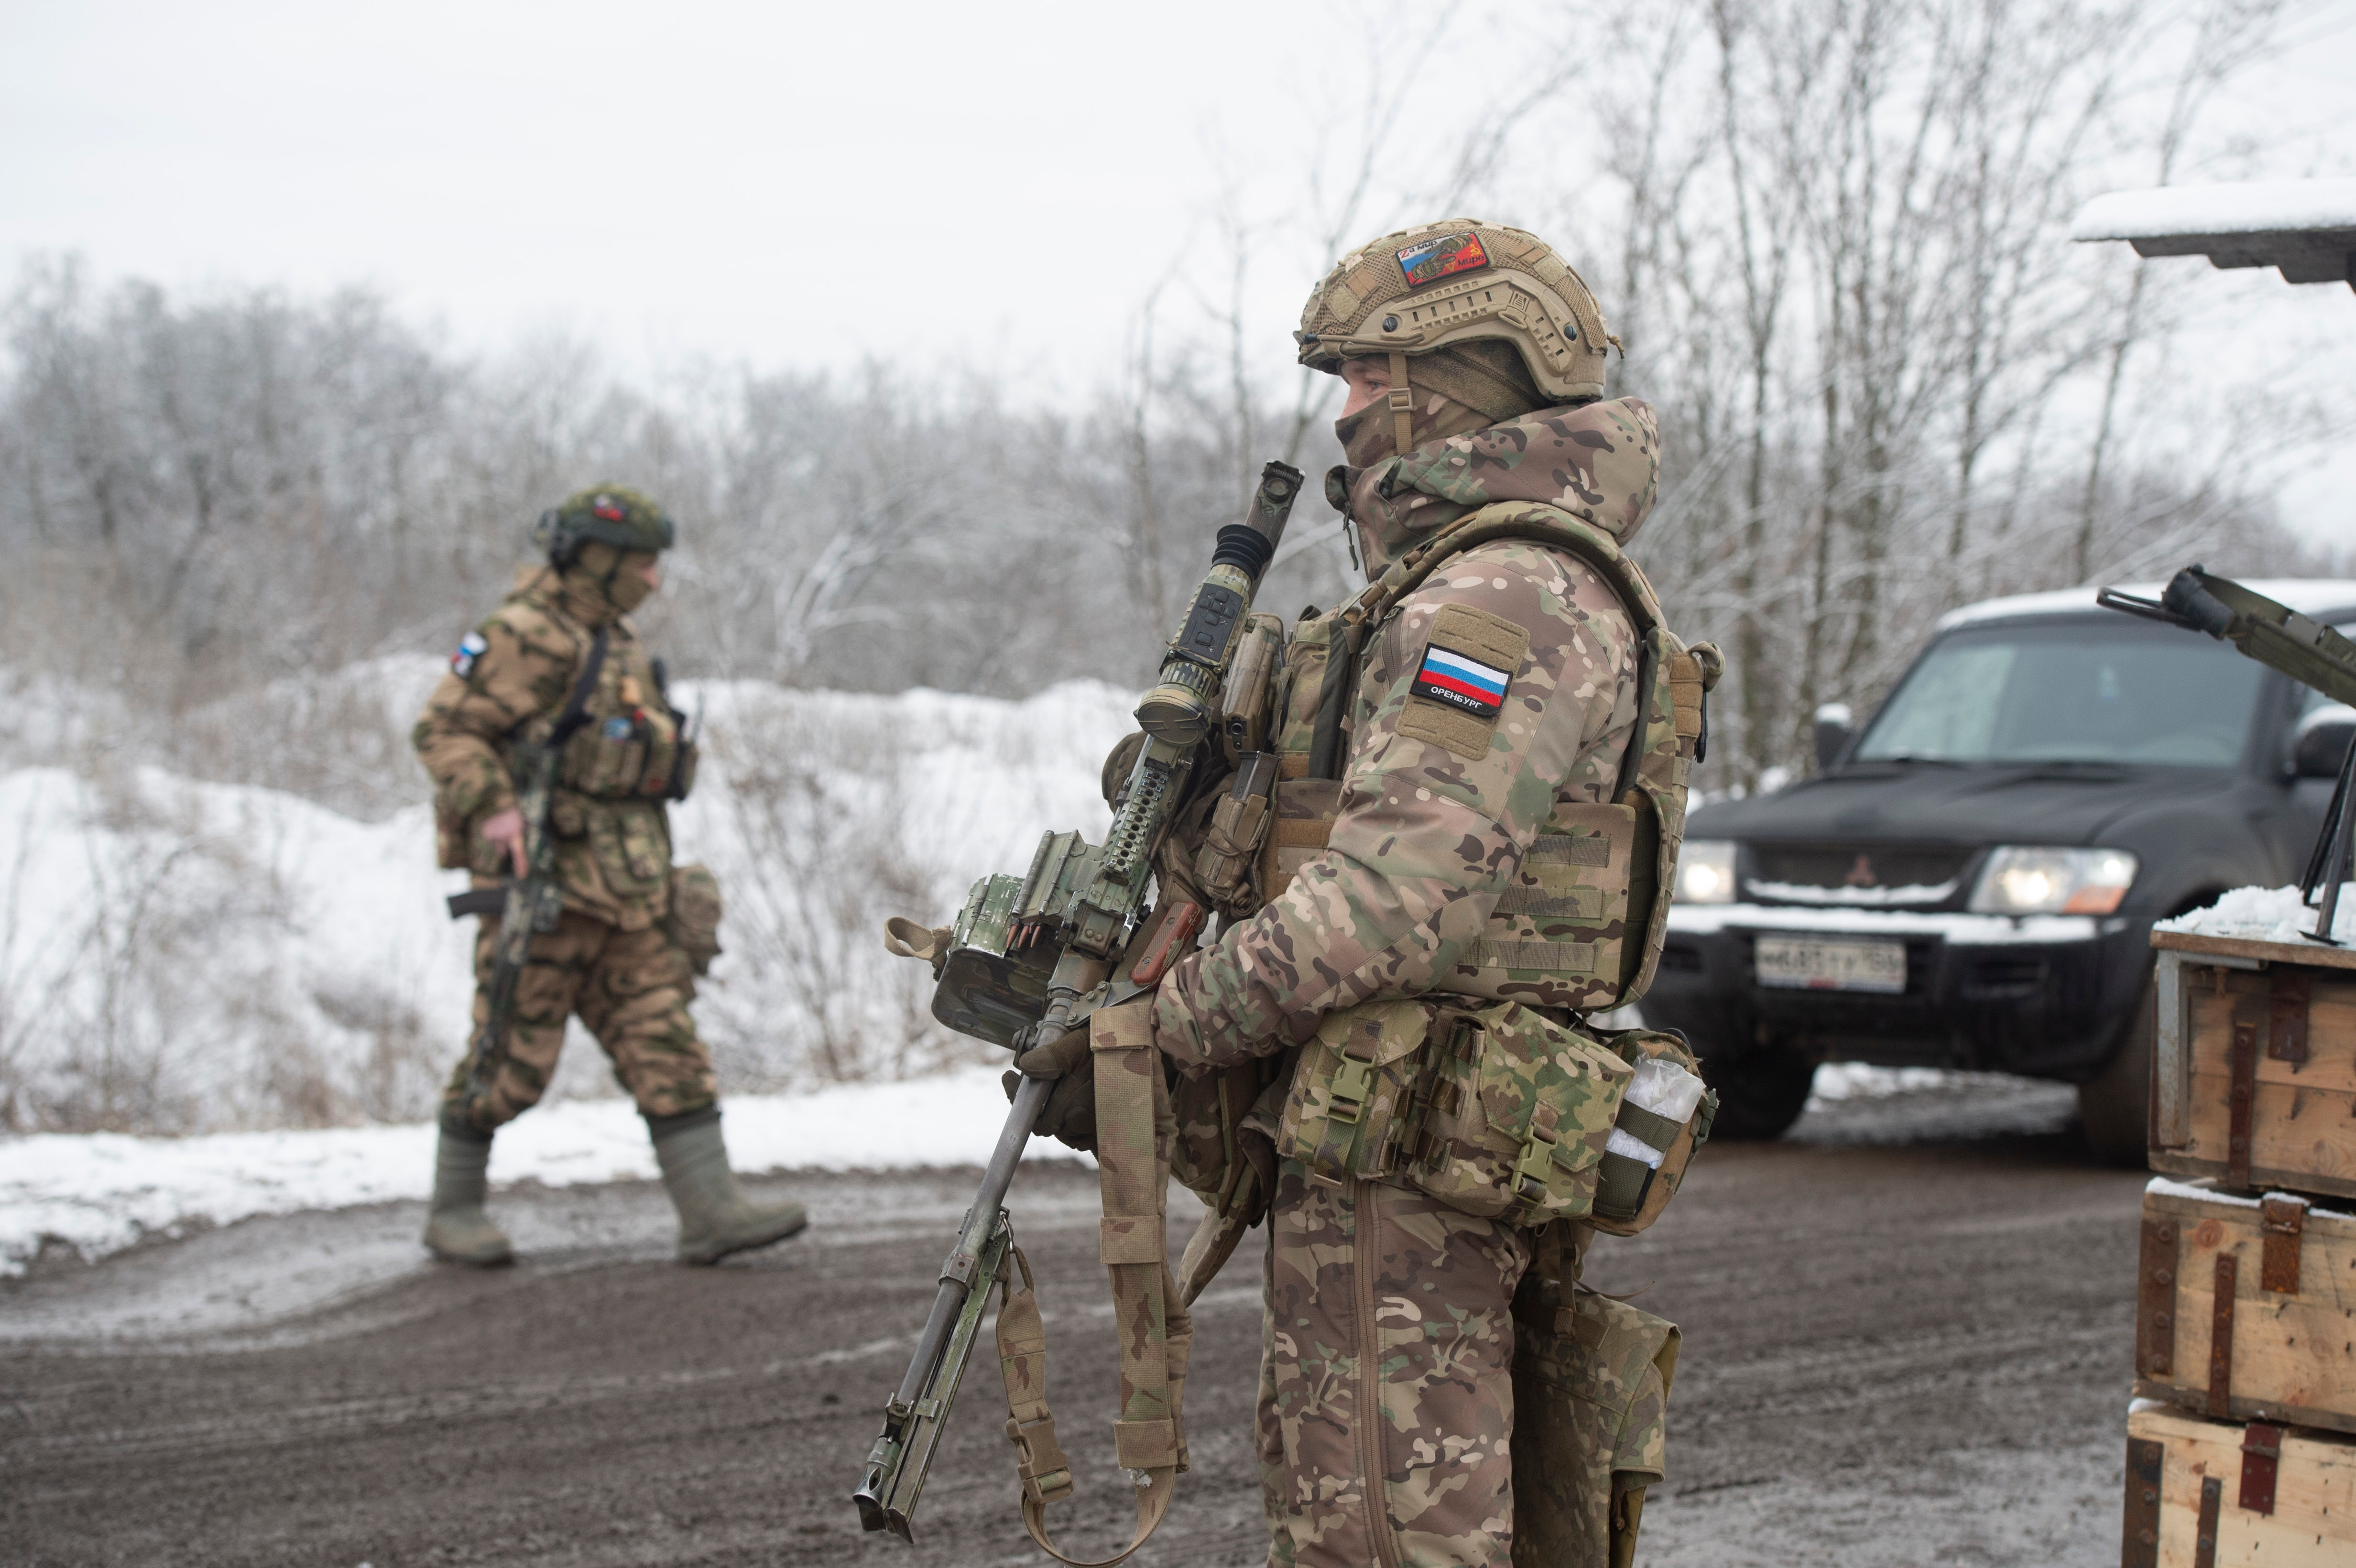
pixel 609 514
pixel 1459 281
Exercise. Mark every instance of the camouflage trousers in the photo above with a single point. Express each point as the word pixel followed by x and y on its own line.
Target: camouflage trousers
pixel 1387 1398
pixel 630 988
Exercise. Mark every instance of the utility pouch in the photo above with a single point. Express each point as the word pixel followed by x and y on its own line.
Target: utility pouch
pixel 693 921
pixel 1590 1418
pixel 1665 1118
pixel 1516 1112
pixel 1231 842
pixel 1344 1116
pixel 604 759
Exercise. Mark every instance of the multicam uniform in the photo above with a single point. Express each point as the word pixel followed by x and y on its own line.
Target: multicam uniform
pixel 1387 1416
pixel 613 958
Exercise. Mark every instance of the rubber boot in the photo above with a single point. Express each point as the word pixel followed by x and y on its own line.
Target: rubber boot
pixel 456 1226
pixel 713 1217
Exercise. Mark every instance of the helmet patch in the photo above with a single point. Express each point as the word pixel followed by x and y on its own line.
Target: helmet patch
pixel 1428 260
pixel 606 508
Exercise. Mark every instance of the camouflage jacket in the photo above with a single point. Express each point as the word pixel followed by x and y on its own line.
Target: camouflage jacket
pixel 510 680
pixel 1425 841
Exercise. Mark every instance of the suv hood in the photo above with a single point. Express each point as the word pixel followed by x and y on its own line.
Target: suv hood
pixel 1975 804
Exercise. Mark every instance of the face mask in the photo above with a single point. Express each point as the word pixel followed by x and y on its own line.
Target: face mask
pixel 628 589
pixel 1367 437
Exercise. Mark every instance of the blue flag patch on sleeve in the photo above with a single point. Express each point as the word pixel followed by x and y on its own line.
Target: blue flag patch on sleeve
pixel 1461 682
pixel 470 647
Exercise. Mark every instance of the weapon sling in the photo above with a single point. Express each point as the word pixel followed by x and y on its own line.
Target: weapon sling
pixel 1133 1170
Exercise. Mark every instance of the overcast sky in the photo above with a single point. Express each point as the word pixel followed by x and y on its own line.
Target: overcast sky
pixel 785 184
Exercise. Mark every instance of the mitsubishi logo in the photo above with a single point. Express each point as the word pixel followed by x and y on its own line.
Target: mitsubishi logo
pixel 1861 874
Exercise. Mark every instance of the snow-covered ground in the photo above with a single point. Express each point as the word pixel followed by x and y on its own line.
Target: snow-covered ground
pixel 188 956
pixel 99 1193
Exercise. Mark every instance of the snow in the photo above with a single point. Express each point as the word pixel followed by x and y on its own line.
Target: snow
pixel 98 1193
pixel 2251 206
pixel 1839 1080
pixel 1956 930
pixel 2162 1186
pixel 223 960
pixel 186 956
pixel 1855 898
pixel 2309 596
pixel 2265 915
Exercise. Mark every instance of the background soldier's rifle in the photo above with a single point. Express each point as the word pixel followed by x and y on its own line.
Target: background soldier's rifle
pixel 531 903
pixel 1028 959
pixel 2301 647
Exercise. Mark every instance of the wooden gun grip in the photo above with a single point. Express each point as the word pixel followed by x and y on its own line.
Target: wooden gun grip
pixel 1170 942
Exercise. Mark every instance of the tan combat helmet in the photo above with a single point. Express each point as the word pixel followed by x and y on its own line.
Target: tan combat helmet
pixel 1455 282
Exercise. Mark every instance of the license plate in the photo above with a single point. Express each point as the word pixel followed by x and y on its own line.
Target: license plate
pixel 1819 964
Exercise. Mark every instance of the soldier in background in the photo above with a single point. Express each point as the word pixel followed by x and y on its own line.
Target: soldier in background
pixel 1386 1409
pixel 635 930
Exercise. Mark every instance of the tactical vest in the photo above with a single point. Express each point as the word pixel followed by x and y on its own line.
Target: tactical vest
pixel 1581 928
pixel 613 781
pixel 631 748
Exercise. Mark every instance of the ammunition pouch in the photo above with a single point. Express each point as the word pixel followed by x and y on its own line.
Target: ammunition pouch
pixel 628 756
pixel 1590 1406
pixel 1502 1112
pixel 693 921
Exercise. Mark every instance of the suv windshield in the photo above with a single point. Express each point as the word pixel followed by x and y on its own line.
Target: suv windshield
pixel 2071 692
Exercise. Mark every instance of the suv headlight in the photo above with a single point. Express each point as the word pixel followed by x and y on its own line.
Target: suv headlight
pixel 1705 871
pixel 2020 879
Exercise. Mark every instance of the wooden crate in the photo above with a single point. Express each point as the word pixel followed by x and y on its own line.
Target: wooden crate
pixel 2209 1494
pixel 2255 1083
pixel 2246 1307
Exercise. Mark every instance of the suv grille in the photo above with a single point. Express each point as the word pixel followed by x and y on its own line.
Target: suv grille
pixel 1857 875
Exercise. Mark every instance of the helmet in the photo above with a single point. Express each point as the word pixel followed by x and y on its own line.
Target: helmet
pixel 1449 283
pixel 608 514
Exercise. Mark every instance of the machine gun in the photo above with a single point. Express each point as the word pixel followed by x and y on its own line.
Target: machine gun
pixel 531 902
pixel 2302 648
pixel 1030 958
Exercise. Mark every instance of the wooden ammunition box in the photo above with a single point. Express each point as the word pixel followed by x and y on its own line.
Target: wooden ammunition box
pixel 2209 1493
pixel 2254 1081
pixel 2246 1307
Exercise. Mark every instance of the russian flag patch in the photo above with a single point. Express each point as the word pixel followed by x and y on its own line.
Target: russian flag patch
pixel 1461 682
pixel 470 647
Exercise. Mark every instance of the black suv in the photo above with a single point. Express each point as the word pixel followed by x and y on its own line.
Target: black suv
pixel 1970 881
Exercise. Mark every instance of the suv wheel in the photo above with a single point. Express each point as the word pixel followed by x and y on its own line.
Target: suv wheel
pixel 1759 1092
pixel 2114 1106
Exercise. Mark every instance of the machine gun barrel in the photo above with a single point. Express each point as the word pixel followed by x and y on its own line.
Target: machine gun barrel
pixel 2301 647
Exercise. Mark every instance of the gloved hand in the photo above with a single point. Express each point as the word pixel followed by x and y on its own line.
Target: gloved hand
pixel 1070 1114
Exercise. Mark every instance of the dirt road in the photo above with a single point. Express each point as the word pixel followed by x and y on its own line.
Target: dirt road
pixel 1907 1340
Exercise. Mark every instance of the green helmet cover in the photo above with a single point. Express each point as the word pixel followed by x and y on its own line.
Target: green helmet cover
pixel 609 514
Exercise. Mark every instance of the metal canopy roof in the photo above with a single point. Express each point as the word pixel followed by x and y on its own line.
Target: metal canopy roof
pixel 2304 228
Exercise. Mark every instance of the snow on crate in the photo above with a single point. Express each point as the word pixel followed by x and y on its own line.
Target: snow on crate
pixel 98 1193
pixel 2265 915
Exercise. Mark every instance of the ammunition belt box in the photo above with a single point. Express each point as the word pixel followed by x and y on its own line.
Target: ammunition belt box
pixel 2204 1494
pixel 2254 1080
pixel 2246 1307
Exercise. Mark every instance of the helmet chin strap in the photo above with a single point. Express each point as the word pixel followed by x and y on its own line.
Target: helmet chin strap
pixel 1402 401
